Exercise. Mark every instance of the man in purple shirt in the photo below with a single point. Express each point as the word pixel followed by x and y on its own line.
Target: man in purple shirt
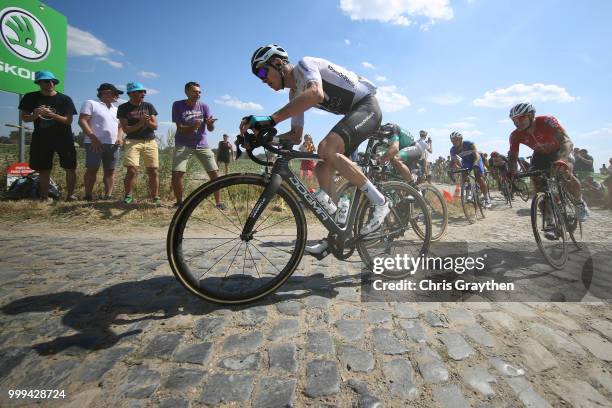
pixel 190 115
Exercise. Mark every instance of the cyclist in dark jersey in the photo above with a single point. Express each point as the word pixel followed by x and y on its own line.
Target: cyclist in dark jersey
pixel 315 82
pixel 550 144
pixel 403 152
pixel 498 164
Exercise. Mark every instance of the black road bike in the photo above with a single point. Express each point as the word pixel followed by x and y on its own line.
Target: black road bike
pixel 553 217
pixel 249 250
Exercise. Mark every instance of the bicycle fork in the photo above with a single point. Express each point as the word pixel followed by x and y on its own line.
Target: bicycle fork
pixel 259 207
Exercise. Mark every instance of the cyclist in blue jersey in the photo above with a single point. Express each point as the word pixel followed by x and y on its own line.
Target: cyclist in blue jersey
pixel 465 155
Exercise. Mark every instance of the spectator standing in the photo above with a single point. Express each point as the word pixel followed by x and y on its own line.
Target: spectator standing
pixel 192 119
pixel 307 166
pixel 592 190
pixel 51 113
pixel 584 162
pixel 424 143
pixel 103 138
pixel 138 120
pixel 225 152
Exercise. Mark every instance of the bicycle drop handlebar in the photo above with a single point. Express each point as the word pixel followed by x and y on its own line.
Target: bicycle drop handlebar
pixel 266 138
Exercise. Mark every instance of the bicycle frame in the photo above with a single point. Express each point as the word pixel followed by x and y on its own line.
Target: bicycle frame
pixel 281 172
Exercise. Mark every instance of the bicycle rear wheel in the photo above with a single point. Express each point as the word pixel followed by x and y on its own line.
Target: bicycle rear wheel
pixel 522 189
pixel 479 201
pixel 554 250
pixel 468 202
pixel 438 212
pixel 572 224
pixel 505 188
pixel 208 253
pixel 396 236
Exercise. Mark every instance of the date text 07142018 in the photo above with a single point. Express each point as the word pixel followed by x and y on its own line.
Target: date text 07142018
pixel 37 394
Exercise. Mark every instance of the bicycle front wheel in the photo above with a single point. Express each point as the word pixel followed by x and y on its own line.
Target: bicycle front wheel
pixel 396 236
pixel 468 202
pixel 550 236
pixel 211 257
pixel 438 212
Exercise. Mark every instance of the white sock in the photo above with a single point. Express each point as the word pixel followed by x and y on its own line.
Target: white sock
pixel 372 193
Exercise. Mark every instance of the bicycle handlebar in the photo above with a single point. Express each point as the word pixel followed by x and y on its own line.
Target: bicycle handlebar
pixel 265 138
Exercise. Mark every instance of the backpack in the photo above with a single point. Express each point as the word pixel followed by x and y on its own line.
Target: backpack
pixel 26 187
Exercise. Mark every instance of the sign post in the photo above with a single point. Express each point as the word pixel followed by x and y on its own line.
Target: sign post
pixel 33 37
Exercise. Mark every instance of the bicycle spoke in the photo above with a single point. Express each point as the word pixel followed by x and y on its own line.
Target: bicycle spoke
pixel 216 226
pixel 208 250
pixel 219 260
pixel 270 262
pixel 222 281
pixel 273 246
pixel 270 226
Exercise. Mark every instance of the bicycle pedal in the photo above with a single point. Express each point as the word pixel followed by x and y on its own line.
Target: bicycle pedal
pixel 321 255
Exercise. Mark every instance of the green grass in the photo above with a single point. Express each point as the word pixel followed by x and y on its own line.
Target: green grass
pixel 195 173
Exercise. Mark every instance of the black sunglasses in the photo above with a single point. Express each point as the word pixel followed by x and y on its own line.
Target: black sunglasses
pixel 261 72
pixel 47 81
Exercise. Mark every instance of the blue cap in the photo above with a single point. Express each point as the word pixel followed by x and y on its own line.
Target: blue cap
pixel 134 86
pixel 41 75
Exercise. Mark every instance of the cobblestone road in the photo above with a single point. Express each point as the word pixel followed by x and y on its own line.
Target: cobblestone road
pixel 105 320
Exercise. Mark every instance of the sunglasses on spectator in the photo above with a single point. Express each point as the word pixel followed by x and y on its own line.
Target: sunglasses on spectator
pixel 47 81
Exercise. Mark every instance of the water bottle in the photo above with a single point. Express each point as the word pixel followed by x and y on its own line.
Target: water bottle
pixel 343 209
pixel 325 201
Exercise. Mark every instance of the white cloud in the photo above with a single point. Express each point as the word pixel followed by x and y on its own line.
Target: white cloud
pixel 443 133
pixel 112 63
pixel 605 132
pixel 399 12
pixel 83 43
pixel 381 78
pixel 148 74
pixel 347 42
pixel 505 121
pixel 366 64
pixel 390 99
pixel 152 91
pixel 421 110
pixel 447 99
pixel 166 123
pixel 460 125
pixel 506 97
pixel 470 118
pixel 232 102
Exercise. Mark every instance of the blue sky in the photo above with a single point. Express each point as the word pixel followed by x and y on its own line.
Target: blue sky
pixel 440 65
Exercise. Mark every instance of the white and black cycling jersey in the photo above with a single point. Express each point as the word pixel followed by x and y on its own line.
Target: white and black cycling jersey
pixel 342 88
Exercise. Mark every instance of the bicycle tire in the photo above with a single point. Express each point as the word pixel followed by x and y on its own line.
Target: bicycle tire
pixel 438 212
pixel 198 216
pixel 537 220
pixel 572 224
pixel 523 190
pixel 468 203
pixel 408 207
pixel 479 202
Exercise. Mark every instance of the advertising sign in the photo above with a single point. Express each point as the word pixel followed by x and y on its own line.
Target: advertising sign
pixel 32 38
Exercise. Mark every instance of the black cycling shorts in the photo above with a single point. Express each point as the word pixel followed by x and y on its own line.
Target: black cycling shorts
pixel 43 147
pixel 359 124
pixel 540 161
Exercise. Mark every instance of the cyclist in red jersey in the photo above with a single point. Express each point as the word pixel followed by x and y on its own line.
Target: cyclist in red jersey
pixel 550 144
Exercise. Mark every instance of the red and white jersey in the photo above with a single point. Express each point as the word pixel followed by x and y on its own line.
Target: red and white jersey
pixel 543 139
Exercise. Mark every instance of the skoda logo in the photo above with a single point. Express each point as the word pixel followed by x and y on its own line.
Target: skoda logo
pixel 23 34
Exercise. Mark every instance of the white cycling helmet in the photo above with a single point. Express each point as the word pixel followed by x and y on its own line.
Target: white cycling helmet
pixel 263 54
pixel 521 109
pixel 456 135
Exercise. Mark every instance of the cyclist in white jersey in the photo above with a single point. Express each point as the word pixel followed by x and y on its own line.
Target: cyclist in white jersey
pixel 315 82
